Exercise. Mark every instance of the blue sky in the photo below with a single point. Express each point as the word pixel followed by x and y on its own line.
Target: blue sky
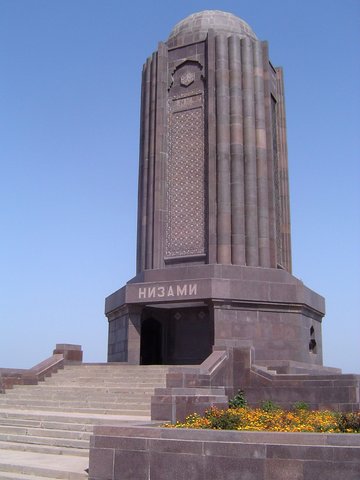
pixel 69 128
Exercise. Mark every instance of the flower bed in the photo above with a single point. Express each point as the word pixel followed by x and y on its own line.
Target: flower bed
pixel 271 418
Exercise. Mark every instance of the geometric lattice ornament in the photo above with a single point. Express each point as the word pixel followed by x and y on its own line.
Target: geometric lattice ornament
pixel 185 229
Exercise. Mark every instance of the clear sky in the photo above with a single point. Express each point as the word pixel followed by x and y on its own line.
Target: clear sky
pixel 69 128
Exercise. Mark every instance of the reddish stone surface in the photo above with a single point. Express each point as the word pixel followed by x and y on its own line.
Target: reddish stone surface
pixel 153 453
pixel 214 241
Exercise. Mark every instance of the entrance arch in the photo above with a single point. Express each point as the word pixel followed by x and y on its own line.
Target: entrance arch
pixel 151 342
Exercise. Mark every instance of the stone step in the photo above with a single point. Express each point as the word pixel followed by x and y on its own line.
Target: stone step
pixel 67 467
pixel 76 392
pixel 76 389
pixel 65 418
pixel 110 378
pixel 106 398
pixel 115 367
pixel 21 476
pixel 56 442
pixel 119 374
pixel 19 422
pixel 45 428
pixel 104 380
pixel 125 410
pixel 44 432
pixel 68 405
pixel 46 449
pixel 104 374
pixel 105 377
pixel 72 403
pixel 110 383
pixel 101 399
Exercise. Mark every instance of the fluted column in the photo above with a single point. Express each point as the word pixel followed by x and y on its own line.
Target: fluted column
pixel 261 160
pixel 251 207
pixel 223 151
pixel 268 71
pixel 143 169
pixel 150 189
pixel 160 157
pixel 238 255
pixel 211 149
pixel 283 176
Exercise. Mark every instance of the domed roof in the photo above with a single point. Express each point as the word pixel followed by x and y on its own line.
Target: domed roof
pixel 196 26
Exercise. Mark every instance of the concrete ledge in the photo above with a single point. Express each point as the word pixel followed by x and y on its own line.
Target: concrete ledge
pixel 149 452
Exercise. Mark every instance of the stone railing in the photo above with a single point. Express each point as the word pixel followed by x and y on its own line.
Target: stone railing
pixel 232 366
pixel 191 389
pixel 63 354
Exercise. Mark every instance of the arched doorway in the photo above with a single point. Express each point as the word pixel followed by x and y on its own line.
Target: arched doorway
pixel 151 342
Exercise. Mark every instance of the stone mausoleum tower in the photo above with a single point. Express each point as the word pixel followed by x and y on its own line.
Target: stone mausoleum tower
pixel 214 250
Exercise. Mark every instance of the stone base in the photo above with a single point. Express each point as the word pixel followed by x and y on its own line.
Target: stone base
pixel 176 315
pixel 255 329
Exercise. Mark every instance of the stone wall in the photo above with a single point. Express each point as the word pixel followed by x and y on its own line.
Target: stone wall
pixel 231 368
pixel 153 453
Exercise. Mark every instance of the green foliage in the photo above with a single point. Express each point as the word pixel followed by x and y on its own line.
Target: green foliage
pixel 269 406
pixel 301 406
pixel 349 422
pixel 239 401
pixel 226 421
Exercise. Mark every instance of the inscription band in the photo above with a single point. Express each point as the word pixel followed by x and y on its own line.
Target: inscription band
pixel 159 291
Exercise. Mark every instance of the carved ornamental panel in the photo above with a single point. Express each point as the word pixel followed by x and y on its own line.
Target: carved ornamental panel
pixel 185 226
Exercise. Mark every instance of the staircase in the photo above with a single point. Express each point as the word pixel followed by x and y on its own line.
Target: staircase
pixel 45 428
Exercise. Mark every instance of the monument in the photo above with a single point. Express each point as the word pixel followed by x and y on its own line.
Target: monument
pixel 213 252
pixel 214 296
pixel 214 284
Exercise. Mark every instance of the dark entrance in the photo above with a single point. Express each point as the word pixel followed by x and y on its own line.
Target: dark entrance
pixel 151 342
pixel 176 336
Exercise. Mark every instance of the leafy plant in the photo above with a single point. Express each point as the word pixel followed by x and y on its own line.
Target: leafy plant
pixel 226 420
pixel 269 406
pixel 349 422
pixel 239 400
pixel 301 406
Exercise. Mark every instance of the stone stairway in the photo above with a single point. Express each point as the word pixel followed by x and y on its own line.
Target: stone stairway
pixel 45 428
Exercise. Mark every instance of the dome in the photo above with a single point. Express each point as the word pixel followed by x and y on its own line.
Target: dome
pixel 196 26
